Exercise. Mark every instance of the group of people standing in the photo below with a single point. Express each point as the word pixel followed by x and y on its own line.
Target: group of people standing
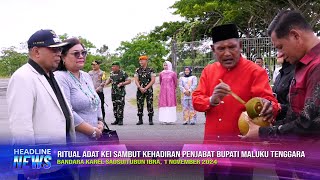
pixel 144 78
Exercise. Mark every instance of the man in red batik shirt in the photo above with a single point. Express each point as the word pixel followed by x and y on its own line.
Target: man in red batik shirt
pixel 240 75
pixel 296 42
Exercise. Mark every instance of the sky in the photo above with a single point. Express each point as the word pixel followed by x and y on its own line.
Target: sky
pixel 99 21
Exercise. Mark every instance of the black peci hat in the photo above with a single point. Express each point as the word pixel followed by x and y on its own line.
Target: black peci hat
pixel 224 32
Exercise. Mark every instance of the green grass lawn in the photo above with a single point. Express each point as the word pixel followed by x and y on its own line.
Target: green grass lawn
pixel 4 77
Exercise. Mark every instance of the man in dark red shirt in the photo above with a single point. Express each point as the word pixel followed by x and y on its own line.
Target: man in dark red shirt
pixel 296 42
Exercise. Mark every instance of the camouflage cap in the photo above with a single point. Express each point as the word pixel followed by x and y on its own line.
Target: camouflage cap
pixel 116 63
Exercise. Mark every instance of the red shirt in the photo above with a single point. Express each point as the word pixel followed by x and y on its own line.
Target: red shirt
pixel 305 79
pixel 304 115
pixel 246 79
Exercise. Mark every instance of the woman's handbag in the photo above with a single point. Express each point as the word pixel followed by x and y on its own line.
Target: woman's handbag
pixel 108 136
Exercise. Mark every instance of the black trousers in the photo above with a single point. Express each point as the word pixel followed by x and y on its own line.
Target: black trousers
pixel 101 96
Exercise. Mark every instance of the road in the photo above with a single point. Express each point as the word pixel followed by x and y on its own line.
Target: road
pixel 164 133
pixel 5 135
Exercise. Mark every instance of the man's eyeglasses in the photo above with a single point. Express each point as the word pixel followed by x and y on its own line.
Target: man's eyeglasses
pixel 93 64
pixel 78 53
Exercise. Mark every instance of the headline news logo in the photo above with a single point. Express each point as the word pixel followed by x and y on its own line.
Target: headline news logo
pixel 34 158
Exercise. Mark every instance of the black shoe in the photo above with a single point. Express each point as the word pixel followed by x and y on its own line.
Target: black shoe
pixel 150 120
pixel 120 123
pixel 115 122
pixel 140 121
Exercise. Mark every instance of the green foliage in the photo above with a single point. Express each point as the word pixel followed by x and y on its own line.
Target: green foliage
pixel 87 44
pixel 167 30
pixel 142 44
pixel 90 58
pixel 103 50
pixel 250 16
pixel 197 63
pixel 130 70
pixel 63 36
pixel 11 60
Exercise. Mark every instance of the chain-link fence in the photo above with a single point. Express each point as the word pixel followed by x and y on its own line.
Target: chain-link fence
pixel 198 54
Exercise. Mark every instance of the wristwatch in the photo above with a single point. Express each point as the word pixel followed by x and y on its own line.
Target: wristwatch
pixel 279 129
pixel 275 131
pixel 213 104
pixel 94 134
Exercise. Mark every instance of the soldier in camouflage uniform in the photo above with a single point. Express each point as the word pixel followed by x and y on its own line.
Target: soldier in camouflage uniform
pixel 144 79
pixel 119 80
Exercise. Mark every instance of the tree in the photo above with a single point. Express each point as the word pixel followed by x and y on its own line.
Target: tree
pixel 87 44
pixel 90 58
pixel 63 36
pixel 251 17
pixel 142 44
pixel 167 30
pixel 11 60
pixel 103 50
